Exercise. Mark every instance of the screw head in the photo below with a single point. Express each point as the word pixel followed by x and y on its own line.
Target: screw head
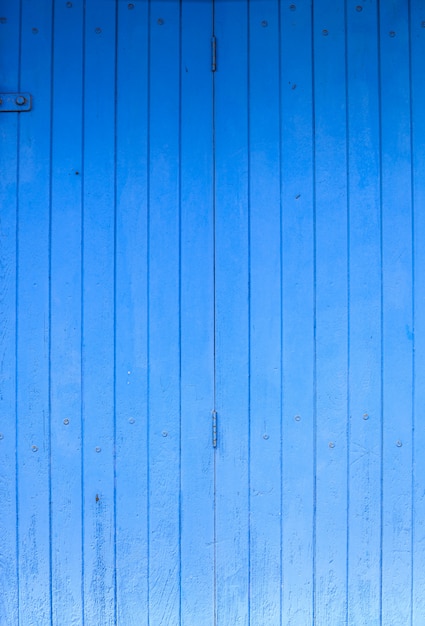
pixel 20 100
pixel 160 21
pixel 164 433
pixel 297 418
pixel 398 443
pixel 1 436
pixel 331 444
pixel 292 7
pixel 98 30
pixel 264 23
pixel 68 5
pixel 359 8
pixel 98 449
pixel 131 6
pixel 131 420
pixel 325 32
pixel 392 33
pixel 266 436
pixel 35 31
pixel 3 20
pixel 365 416
pixel 423 24
pixel 34 448
pixel 66 421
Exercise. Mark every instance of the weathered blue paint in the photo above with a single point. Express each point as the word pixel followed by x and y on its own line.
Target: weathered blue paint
pixel 177 241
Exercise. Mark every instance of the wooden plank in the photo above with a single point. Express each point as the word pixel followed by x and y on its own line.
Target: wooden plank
pixel 330 551
pixel 9 54
pixel 232 317
pixel 131 314
pixel 297 314
pixel 197 317
pixel 397 313
pixel 65 354
pixel 417 94
pixel 98 309
pixel 33 319
pixel 264 315
pixel 364 469
pixel 164 316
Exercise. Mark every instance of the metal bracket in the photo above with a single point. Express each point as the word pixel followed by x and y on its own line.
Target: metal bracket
pixel 214 429
pixel 213 54
pixel 15 102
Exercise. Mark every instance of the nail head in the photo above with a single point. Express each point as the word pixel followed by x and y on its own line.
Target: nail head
pixel 66 421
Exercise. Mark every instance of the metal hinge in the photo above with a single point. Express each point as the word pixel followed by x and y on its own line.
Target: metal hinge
pixel 15 102
pixel 214 428
pixel 213 54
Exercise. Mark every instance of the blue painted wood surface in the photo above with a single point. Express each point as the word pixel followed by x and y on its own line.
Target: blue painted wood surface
pixel 178 243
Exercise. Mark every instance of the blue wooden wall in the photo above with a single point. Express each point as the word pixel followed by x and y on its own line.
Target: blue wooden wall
pixel 180 245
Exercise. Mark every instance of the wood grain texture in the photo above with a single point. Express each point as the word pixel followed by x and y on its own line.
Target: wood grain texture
pixel 176 240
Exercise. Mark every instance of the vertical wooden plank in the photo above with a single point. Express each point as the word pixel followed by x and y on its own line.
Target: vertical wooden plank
pixel 364 316
pixel 232 319
pixel 397 313
pixel 330 553
pixel 164 315
pixel 131 314
pixel 197 317
pixel 265 315
pixel 33 323
pixel 417 51
pixel 9 80
pixel 98 314
pixel 297 313
pixel 65 355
